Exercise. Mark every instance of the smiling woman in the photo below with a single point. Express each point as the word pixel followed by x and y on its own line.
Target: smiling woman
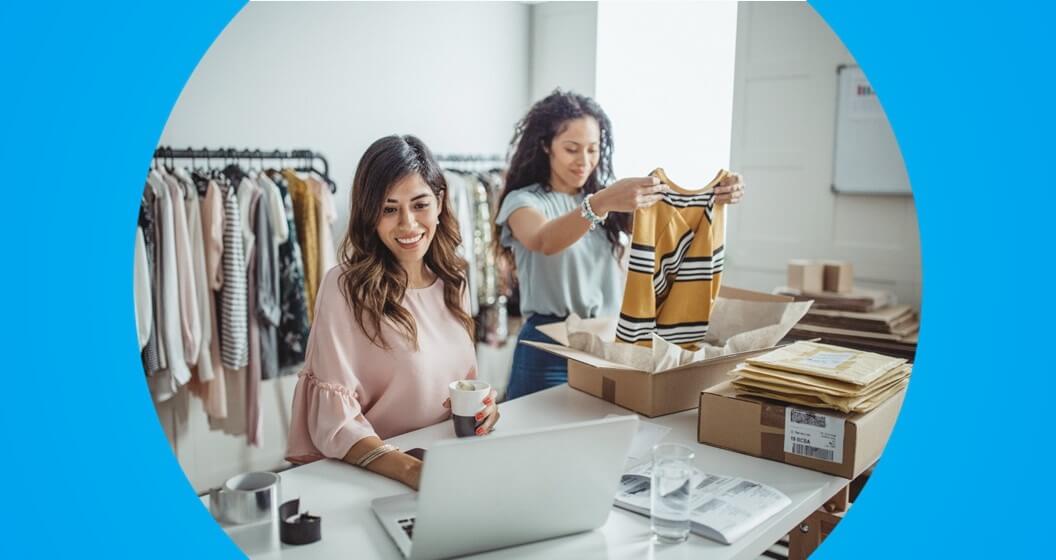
pixel 408 224
pixel 391 329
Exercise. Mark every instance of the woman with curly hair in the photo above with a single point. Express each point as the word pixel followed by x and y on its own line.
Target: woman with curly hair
pixel 564 222
pixel 391 329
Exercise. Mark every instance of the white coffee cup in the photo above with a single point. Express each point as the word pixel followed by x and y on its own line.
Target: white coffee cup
pixel 467 399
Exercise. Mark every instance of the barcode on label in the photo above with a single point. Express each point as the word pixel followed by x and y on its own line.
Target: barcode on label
pixel 811 451
pixel 803 417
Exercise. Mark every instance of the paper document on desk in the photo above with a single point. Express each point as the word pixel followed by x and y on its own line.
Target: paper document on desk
pixel 724 508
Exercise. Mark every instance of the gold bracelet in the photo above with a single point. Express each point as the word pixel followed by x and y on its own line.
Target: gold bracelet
pixel 374 454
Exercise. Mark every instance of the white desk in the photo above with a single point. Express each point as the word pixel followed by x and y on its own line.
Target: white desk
pixel 341 494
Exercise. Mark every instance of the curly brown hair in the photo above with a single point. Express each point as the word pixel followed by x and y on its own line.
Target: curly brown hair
pixel 530 163
pixel 372 280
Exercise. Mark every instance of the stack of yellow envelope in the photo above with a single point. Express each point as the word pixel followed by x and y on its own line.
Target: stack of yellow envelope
pixel 823 376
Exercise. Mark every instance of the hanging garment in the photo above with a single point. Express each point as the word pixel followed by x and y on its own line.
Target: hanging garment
pixel 675 266
pixel 234 341
pixel 166 381
pixel 190 319
pixel 326 215
pixel 201 281
pixel 213 393
pixel 141 291
pixel 460 204
pixel 280 231
pixel 213 234
pixel 266 283
pixel 304 209
pixel 148 225
pixel 246 192
pixel 293 325
pixel 485 257
pixel 251 192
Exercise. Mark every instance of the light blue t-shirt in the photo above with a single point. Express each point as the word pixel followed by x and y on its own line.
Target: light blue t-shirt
pixel 584 279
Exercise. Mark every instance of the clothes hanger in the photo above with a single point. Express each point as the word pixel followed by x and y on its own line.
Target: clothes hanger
pixel 170 167
pixel 232 171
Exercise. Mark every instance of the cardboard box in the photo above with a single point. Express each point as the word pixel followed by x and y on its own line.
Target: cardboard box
pixel 806 276
pixel 756 427
pixel 838 277
pixel 650 394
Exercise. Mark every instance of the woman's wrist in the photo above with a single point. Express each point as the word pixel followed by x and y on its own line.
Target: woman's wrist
pixel 411 471
pixel 586 210
pixel 599 203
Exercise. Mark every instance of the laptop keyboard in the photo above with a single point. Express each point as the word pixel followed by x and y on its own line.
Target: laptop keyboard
pixel 408 526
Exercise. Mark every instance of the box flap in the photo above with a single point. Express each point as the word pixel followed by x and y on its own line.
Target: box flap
pixel 578 355
pixel 599 326
pixel 556 331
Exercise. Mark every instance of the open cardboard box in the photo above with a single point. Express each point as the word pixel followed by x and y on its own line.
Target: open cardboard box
pixel 756 426
pixel 651 394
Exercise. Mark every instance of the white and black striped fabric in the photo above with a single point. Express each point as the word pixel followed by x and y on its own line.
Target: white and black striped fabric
pixel 681 333
pixel 643 258
pixel 234 335
pixel 632 329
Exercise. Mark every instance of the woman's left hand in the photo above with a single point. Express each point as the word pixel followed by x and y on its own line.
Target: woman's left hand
pixel 486 418
pixel 730 189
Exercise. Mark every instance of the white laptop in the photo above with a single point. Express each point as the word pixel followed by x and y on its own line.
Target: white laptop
pixel 479 494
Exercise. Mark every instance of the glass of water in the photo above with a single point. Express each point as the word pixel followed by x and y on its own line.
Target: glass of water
pixel 670 488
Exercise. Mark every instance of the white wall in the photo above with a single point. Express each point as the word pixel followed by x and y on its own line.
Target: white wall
pixel 333 77
pixel 564 44
pixel 783 130
pixel 665 77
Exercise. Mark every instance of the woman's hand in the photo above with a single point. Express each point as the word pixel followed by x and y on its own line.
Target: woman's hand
pixel 628 195
pixel 486 418
pixel 730 189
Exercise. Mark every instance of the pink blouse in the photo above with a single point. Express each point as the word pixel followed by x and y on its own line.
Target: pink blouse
pixel 350 388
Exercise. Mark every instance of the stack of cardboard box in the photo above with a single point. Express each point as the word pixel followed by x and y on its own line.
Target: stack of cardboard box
pixel 849 316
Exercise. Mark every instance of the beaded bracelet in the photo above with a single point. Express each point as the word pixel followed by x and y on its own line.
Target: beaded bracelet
pixel 587 212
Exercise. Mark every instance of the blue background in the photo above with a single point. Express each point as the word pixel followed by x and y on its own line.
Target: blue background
pixel 87 89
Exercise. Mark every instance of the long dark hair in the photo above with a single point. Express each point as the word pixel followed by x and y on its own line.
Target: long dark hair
pixel 530 163
pixel 372 281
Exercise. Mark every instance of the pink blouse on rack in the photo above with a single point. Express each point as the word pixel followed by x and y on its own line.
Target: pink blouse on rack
pixel 350 388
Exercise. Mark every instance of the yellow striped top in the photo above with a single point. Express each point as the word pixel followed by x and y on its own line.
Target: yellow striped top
pixel 677 250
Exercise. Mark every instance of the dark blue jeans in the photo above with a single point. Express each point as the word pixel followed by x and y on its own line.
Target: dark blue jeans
pixel 533 369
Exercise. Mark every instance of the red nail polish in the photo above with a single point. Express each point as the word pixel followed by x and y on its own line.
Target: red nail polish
pixel 480 416
pixel 480 431
pixel 487 400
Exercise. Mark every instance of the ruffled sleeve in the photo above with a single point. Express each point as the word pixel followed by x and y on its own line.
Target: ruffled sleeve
pixel 327 417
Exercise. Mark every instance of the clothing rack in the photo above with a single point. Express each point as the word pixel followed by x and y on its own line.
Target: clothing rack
pixel 307 157
pixel 471 163
pixel 458 158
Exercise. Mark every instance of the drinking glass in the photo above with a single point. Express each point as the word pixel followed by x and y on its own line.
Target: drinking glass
pixel 670 492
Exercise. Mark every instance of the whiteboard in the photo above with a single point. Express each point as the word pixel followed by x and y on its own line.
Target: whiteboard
pixel 866 156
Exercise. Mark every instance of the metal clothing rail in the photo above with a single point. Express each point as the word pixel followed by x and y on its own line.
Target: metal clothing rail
pixel 308 156
pixel 453 158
